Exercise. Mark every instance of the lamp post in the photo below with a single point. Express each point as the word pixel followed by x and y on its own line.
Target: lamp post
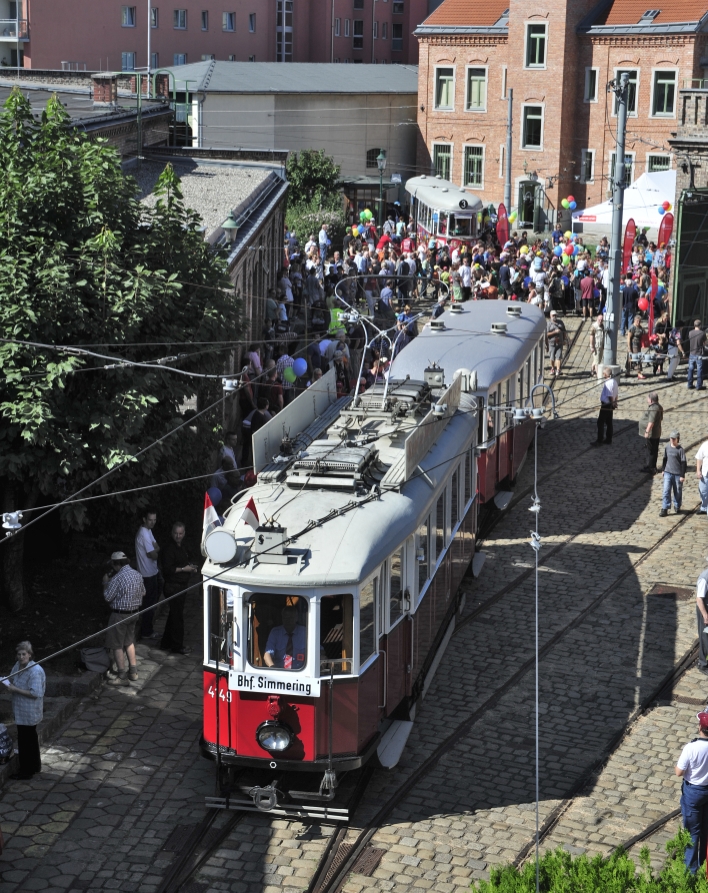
pixel 381 163
pixel 230 227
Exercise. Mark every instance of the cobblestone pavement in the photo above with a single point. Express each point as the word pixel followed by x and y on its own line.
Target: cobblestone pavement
pixel 125 770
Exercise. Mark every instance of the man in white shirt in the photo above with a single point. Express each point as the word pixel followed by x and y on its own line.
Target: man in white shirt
pixel 702 475
pixel 608 403
pixel 692 766
pixel 146 552
pixel 702 621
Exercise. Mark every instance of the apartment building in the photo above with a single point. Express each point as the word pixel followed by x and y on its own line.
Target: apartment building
pixel 558 60
pixel 110 35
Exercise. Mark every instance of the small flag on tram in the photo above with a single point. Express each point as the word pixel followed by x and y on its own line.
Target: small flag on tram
pixel 211 518
pixel 250 514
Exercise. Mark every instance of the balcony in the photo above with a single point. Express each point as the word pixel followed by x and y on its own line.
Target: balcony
pixel 14 29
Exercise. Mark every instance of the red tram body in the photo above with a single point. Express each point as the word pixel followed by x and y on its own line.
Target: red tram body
pixel 323 629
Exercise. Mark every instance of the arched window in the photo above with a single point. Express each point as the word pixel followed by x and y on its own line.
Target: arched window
pixel 371 156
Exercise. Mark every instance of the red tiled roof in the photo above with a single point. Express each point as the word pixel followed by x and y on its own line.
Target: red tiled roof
pixel 629 12
pixel 463 12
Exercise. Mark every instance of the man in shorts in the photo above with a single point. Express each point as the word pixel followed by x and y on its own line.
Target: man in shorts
pixel 123 589
pixel 555 336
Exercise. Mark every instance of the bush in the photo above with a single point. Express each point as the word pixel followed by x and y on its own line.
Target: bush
pixel 559 872
pixel 308 217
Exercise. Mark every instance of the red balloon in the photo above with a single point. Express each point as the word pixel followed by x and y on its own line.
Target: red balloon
pixel 570 199
pixel 666 205
pixel 643 304
pixel 569 250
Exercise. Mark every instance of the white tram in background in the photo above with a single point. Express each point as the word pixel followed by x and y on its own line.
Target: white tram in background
pixel 368 510
pixel 443 211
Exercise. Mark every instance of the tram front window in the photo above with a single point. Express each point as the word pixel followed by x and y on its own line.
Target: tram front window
pixel 336 634
pixel 221 614
pixel 277 631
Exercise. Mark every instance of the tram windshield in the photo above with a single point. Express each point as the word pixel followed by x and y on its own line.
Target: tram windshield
pixel 277 631
pixel 221 615
pixel 460 226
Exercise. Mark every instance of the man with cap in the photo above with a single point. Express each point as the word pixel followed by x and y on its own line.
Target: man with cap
pixel 692 766
pixel 123 589
pixel 674 468
pixel 697 340
pixel 650 430
pixel 555 336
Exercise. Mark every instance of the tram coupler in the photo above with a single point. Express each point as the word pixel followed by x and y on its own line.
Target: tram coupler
pixel 328 784
pixel 265 798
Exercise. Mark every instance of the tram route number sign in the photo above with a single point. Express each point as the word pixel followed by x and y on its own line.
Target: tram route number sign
pixel 275 682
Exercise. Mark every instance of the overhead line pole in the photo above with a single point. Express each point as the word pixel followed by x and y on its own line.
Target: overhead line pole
pixel 614 300
pixel 509 127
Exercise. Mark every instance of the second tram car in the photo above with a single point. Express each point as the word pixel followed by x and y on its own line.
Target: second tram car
pixel 443 211
pixel 321 628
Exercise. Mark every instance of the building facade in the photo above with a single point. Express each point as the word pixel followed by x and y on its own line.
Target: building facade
pixel 109 35
pixel 557 61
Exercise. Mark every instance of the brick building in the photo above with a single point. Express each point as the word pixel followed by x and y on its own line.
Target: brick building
pixel 558 61
pixel 110 35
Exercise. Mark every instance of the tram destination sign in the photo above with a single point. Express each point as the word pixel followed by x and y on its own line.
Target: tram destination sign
pixel 275 682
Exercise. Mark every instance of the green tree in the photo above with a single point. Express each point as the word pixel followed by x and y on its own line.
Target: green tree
pixel 313 177
pixel 83 262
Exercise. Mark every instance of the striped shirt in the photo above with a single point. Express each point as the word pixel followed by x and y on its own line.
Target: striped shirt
pixel 28 711
pixel 280 367
pixel 125 591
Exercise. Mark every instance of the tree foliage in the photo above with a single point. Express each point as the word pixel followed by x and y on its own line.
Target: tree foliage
pixel 313 176
pixel 83 262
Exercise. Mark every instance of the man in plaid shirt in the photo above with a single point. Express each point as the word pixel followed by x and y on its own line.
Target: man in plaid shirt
pixel 124 591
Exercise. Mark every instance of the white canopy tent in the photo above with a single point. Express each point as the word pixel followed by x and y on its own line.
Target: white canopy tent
pixel 641 203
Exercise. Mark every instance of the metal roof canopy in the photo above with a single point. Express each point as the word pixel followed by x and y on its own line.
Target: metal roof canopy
pixel 444 195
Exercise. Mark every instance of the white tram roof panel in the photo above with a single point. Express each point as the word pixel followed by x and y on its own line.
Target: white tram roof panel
pixel 442 195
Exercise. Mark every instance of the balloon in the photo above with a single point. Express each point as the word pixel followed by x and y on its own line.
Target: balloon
pixel 214 493
pixel 360 229
pixel 368 214
pixel 643 304
pixel 565 260
pixel 568 234
pixel 512 217
pixel 571 199
pixel 573 205
pixel 669 208
pixel 527 281
pixel 569 250
pixel 565 203
pixel 666 205
pixel 558 250
pixel 300 367
pixel 576 249
pixel 524 249
pixel 289 374
pixel 565 280
pixel 661 210
pixel 355 230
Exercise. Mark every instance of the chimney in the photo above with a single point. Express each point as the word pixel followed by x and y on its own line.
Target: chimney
pixel 105 90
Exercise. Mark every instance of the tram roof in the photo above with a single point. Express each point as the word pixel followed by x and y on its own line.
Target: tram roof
pixel 444 195
pixel 468 342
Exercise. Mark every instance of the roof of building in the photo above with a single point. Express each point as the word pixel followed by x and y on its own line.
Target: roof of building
pixel 461 16
pixel 640 17
pixel 296 77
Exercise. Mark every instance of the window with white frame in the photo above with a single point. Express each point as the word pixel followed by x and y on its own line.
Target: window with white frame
pixel 358 34
pixel 656 163
pixel 228 21
pixel 442 160
pixel 587 165
pixel 127 16
pixel 127 61
pixel 180 19
pixel 631 90
pixel 346 27
pixel 628 167
pixel 376 30
pixel 179 59
pixel 536 46
pixel 337 27
pixel 252 23
pixel 476 99
pixel 473 166
pixel 505 72
pixel 502 160
pixel 532 127
pixel 284 31
pixel 444 88
pixel 154 17
pixel 591 75
pixel 663 104
pixel 384 30
pixel 154 60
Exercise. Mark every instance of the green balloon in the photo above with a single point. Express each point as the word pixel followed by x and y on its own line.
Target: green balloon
pixel 289 374
pixel 565 260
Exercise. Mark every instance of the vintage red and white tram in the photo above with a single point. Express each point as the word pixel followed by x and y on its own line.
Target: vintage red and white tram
pixel 321 629
pixel 443 211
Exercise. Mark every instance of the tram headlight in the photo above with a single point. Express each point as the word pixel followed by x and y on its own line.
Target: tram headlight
pixel 274 736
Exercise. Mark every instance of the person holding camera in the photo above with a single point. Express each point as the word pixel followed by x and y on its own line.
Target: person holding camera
pixel 178 571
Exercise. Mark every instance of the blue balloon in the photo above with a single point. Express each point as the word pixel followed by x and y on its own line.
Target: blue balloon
pixel 576 250
pixel 558 250
pixel 300 367
pixel 565 280
pixel 214 493
pixel 527 281
pixel 573 206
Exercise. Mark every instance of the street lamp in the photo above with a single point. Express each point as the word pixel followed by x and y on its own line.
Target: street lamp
pixel 230 227
pixel 381 163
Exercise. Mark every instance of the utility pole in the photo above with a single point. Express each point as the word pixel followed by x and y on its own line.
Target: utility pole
pixel 614 299
pixel 509 125
pixel 149 35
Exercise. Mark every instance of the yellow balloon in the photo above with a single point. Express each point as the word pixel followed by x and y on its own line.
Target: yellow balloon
pixel 568 235
pixel 524 249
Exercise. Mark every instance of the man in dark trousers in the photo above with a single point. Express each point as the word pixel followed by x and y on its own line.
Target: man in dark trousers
pixel 692 766
pixel 697 339
pixel 702 619
pixel 650 430
pixel 178 571
pixel 608 404
pixel 674 468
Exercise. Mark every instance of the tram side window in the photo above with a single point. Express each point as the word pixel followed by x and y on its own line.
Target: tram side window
pixel 367 605
pixel 490 416
pixel 442 223
pixel 395 609
pixel 469 459
pixel 221 615
pixel 440 526
pixel 454 499
pixel 423 554
pixel 277 631
pixel 336 634
pixel 482 417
